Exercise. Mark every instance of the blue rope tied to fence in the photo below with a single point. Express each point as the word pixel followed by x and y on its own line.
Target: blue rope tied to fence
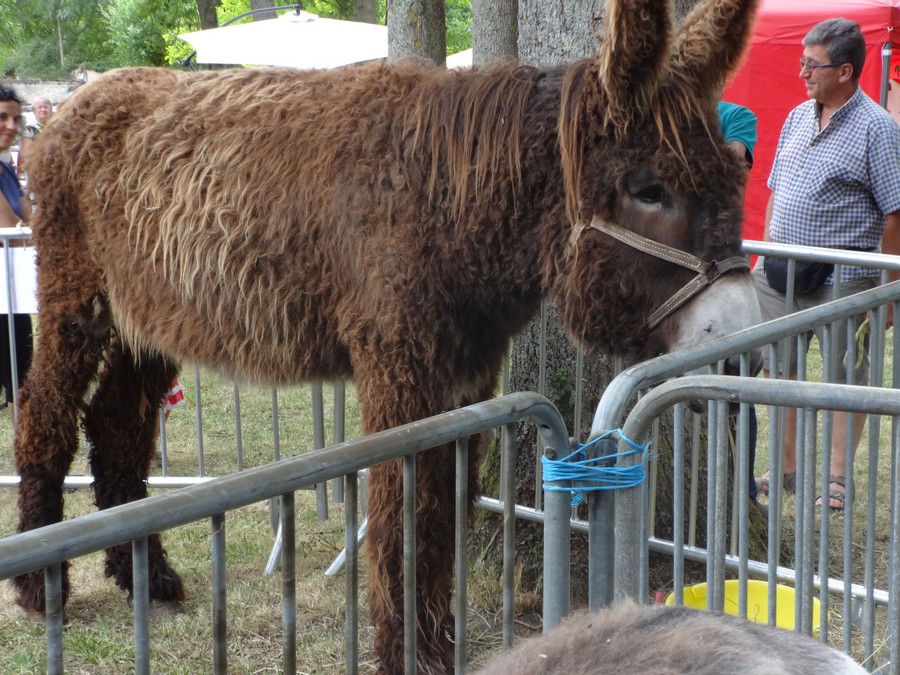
pixel 577 467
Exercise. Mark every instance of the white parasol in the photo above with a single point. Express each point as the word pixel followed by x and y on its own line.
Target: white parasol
pixel 297 39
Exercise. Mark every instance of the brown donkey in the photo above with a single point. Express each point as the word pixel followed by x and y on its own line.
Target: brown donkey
pixel 396 224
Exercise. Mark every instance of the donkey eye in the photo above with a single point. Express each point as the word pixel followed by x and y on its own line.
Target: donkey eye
pixel 653 194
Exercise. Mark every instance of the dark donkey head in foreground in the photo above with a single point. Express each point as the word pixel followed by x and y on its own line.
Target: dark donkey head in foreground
pixel 393 223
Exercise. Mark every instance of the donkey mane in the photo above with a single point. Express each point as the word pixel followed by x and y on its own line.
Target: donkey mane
pixel 475 124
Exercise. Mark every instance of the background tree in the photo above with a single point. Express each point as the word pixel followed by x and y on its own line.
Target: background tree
pixel 548 34
pixel 495 30
pixel 366 11
pixel 262 4
pixel 206 10
pixel 135 26
pixel 45 38
pixel 417 28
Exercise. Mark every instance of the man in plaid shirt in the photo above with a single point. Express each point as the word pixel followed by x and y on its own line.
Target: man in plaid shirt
pixel 835 183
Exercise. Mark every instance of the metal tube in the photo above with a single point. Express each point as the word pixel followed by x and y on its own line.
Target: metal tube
pixel 628 530
pixel 338 433
pixel 238 433
pixel 219 620
pixel 201 471
pixel 318 420
pixel 461 536
pixel 351 572
pixel 410 596
pixel 140 575
pixel 508 499
pixel 556 556
pixel 893 615
pixel 601 533
pixel 289 584
pixel 276 431
pixel 10 304
pixel 678 505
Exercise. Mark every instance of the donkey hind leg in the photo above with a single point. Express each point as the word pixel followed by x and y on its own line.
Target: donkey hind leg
pixel 435 528
pixel 69 347
pixel 121 425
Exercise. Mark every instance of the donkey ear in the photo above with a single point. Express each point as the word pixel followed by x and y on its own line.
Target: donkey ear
pixel 635 43
pixel 709 44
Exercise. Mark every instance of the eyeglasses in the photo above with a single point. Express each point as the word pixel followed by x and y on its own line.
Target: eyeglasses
pixel 806 64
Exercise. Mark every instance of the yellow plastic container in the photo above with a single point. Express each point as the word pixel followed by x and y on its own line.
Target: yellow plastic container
pixel 757 602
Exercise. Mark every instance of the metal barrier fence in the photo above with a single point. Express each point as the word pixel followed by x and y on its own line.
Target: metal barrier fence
pixel 49 546
pixel 812 398
pixel 605 582
pixel 860 595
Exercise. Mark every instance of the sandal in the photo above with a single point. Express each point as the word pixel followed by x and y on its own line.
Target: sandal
pixel 835 495
pixel 788 482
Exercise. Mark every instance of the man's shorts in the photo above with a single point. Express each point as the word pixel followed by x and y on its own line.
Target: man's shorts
pixel 772 306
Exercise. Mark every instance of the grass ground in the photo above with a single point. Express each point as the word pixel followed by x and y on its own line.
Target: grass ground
pixel 99 636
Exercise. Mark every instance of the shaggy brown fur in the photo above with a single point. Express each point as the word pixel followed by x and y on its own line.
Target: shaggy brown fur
pixel 396 224
pixel 669 641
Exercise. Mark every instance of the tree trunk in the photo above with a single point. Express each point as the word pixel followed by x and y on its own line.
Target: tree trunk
pixel 417 28
pixel 551 33
pixel 364 10
pixel 207 10
pixel 495 30
pixel 262 4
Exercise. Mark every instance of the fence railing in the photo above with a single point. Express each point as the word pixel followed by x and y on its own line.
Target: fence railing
pixel 632 506
pixel 47 547
pixel 857 585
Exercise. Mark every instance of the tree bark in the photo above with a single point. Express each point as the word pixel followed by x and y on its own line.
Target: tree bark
pixel 365 11
pixel 207 10
pixel 262 4
pixel 552 33
pixel 495 30
pixel 417 28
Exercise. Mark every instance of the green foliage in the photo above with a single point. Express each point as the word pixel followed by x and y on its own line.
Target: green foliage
pixel 33 30
pixel 459 25
pixel 136 25
pixel 102 34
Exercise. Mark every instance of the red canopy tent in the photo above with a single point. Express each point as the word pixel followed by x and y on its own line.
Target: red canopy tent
pixel 768 83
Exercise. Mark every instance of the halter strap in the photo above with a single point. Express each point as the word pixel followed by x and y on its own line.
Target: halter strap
pixel 707 273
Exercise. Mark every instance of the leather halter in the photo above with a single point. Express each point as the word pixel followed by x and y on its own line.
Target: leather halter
pixel 707 272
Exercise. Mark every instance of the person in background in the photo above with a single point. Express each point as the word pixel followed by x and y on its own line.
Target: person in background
pixel 738 125
pixel 42 109
pixel 835 183
pixel 15 210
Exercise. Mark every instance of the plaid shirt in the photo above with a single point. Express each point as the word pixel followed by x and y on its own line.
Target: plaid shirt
pixel 834 187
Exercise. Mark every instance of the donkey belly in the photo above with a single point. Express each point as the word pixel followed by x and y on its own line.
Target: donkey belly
pixel 270 338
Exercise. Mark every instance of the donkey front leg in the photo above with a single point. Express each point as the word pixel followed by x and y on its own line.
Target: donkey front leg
pixel 121 424
pixel 68 351
pixel 392 394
